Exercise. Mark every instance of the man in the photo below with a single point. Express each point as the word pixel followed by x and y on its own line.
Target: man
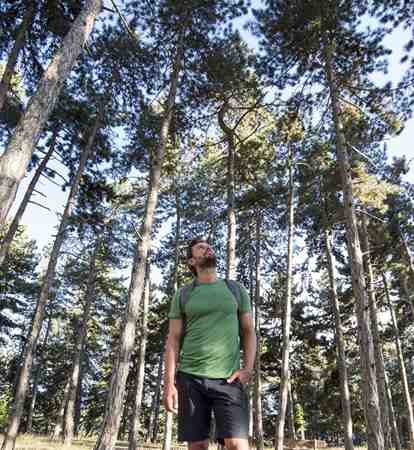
pixel 202 357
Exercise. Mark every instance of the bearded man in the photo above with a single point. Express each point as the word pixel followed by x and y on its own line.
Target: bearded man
pixel 207 326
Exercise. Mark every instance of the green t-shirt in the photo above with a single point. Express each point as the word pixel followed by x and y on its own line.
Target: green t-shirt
pixel 211 345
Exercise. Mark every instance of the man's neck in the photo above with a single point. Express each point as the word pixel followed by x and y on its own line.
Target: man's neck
pixel 207 275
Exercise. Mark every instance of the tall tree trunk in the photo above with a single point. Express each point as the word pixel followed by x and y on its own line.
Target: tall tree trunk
pixel 403 372
pixel 406 292
pixel 18 45
pixel 109 430
pixel 15 159
pixel 379 358
pixel 231 212
pixel 139 382
pixel 392 417
pixel 31 343
pixel 8 238
pixel 166 445
pixel 257 378
pixel 408 256
pixel 252 411
pixel 57 431
pixel 155 401
pixel 78 404
pixel 36 381
pixel 340 348
pixel 81 336
pixel 369 383
pixel 287 313
pixel 155 409
pixel 168 415
pixel 291 414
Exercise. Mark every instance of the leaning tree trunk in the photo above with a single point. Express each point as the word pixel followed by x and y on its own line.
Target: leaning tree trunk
pixel 340 348
pixel 8 238
pixel 231 211
pixel 379 358
pixel 79 349
pixel 139 383
pixel 31 343
pixel 403 372
pixel 36 381
pixel 287 313
pixel 21 36
pixel 57 431
pixel 109 430
pixel 15 159
pixel 258 380
pixel 369 388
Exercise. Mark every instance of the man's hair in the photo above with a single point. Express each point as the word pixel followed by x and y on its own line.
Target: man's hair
pixel 190 253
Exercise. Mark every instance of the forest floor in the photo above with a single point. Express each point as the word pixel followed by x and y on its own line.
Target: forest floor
pixel 35 442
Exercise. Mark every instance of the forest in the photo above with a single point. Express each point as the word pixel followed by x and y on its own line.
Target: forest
pixel 267 127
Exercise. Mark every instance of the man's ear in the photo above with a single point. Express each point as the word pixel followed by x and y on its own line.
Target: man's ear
pixel 191 262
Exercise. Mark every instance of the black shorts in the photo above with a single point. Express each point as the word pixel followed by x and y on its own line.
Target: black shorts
pixel 198 397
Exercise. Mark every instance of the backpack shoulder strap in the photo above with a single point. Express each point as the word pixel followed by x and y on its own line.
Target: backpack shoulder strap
pixel 185 295
pixel 235 289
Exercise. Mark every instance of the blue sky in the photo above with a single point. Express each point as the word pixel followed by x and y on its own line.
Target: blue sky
pixel 41 223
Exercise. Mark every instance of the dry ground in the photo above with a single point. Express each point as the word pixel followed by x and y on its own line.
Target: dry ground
pixel 34 442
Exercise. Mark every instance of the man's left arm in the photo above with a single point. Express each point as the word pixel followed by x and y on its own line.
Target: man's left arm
pixel 249 343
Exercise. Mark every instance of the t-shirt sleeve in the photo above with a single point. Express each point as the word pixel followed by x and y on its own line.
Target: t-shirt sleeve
pixel 175 309
pixel 245 301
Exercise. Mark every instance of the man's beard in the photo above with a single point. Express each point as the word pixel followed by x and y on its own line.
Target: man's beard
pixel 207 262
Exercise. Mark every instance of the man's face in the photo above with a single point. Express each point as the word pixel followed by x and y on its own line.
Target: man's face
pixel 203 256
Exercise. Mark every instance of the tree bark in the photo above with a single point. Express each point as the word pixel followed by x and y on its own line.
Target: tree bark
pixel 166 445
pixel 403 372
pixel 408 256
pixel 133 443
pixel 14 54
pixel 168 416
pixel 340 348
pixel 257 378
pixel 36 381
pixel 109 430
pixel 8 238
pixel 406 292
pixel 15 159
pixel 79 349
pixel 153 428
pixel 57 431
pixel 31 343
pixel 379 358
pixel 392 417
pixel 291 414
pixel 231 212
pixel 287 313
pixel 78 405
pixel 369 388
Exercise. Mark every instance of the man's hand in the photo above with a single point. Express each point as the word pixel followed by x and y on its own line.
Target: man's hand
pixel 171 398
pixel 243 375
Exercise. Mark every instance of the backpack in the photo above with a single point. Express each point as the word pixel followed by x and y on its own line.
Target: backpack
pixel 185 293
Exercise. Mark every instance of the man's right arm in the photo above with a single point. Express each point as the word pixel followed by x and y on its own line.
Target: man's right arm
pixel 172 350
